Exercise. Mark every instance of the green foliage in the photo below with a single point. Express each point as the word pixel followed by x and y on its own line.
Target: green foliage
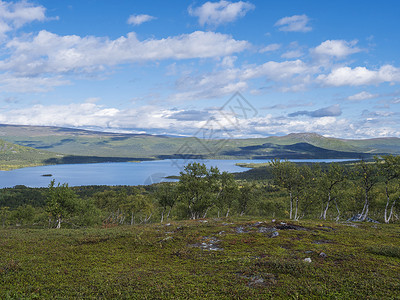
pixel 166 195
pixel 62 202
pixel 227 193
pixel 23 214
pixel 197 187
pixel 4 215
pixel 385 250
pixel 326 191
pixel 247 197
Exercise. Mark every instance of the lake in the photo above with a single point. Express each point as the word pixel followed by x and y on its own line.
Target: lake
pixel 124 173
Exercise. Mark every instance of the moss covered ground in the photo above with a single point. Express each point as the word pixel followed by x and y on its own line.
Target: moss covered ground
pixel 203 259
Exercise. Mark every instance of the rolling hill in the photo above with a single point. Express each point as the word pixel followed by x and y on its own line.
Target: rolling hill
pixel 14 156
pixel 77 145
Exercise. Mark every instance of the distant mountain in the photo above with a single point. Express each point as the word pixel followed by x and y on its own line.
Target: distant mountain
pixel 79 145
pixel 373 146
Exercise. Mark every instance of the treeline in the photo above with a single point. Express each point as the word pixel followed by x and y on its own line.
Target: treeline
pixel 361 191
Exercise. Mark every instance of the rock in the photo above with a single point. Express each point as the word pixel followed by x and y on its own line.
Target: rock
pixel 358 218
pixel 168 224
pixel 308 259
pixel 308 251
pixel 273 220
pixel 275 234
pixel 209 243
pixel 323 255
pixel 319 242
pixel 290 227
pixel 240 229
pixel 266 229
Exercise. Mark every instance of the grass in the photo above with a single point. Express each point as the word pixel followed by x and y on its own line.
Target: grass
pixel 14 156
pixel 172 262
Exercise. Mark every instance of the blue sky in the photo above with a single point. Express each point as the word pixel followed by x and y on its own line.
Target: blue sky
pixel 168 67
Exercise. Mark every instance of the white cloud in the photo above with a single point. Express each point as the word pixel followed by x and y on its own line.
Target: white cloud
pixel 91 115
pixel 277 71
pixel 336 48
pixel 14 15
pixel 360 76
pixel 228 61
pixel 139 19
pixel 50 53
pixel 92 100
pixel 270 48
pixel 209 85
pixel 23 84
pixel 361 96
pixel 186 122
pixel 216 13
pixel 297 23
pixel 292 75
pixel 72 115
pixel 292 54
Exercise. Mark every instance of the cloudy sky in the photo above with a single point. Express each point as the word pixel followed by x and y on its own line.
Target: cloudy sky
pixel 174 67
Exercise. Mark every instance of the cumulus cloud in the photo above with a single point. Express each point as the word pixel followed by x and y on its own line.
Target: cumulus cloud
pixel 287 76
pixel 209 85
pixel 24 84
pixel 228 61
pixel 14 15
pixel 296 23
pixel 277 70
pixel 216 13
pixel 139 19
pixel 330 111
pixel 187 122
pixel 336 48
pixel 292 54
pixel 270 48
pixel 361 96
pixel 343 76
pixel 50 53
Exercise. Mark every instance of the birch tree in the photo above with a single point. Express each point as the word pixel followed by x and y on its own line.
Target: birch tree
pixel 197 186
pixel 166 195
pixel 286 175
pixel 328 182
pixel 368 177
pixel 389 170
pixel 62 202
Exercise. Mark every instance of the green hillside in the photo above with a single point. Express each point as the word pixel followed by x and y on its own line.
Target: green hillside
pixel 78 145
pixel 14 156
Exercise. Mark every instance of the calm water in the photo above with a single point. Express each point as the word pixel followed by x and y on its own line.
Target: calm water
pixel 125 173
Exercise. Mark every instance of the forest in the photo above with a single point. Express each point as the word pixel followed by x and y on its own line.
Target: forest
pixel 358 191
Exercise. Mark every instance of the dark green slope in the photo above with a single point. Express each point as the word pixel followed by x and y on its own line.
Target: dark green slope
pixel 293 151
pixel 122 146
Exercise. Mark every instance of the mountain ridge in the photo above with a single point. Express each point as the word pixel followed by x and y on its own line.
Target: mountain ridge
pixel 123 146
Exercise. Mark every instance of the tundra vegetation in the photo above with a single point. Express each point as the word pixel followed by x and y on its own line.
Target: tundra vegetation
pixel 277 231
